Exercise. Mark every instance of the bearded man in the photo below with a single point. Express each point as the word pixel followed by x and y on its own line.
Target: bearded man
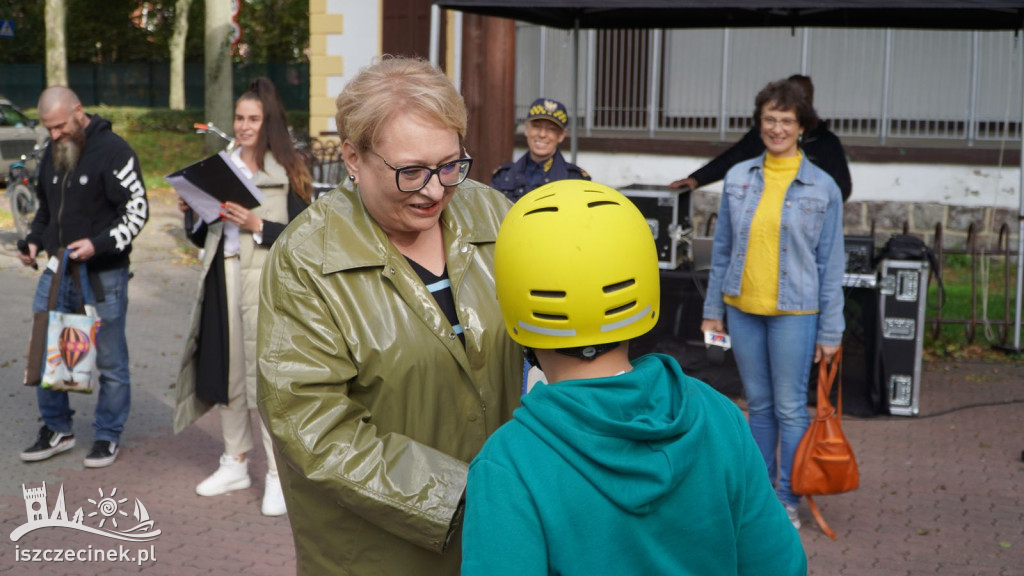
pixel 92 202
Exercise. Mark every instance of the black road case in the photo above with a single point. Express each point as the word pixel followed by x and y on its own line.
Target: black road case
pixel 903 286
pixel 668 213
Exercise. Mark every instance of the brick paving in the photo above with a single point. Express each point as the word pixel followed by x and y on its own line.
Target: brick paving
pixel 942 493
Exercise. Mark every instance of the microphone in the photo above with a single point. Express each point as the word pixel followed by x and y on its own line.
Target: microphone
pixel 23 248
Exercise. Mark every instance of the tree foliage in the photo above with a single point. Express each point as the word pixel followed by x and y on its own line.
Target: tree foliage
pixel 140 31
pixel 273 31
pixel 29 42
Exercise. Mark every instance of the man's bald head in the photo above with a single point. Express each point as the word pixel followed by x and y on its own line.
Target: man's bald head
pixel 58 98
pixel 60 112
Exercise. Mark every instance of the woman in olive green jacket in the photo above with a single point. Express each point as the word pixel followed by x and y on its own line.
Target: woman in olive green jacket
pixel 383 360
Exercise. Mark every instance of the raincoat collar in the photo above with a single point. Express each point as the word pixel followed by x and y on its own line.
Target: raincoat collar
pixel 366 244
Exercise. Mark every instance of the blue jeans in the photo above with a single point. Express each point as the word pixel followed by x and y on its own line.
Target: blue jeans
pixel 774 355
pixel 114 400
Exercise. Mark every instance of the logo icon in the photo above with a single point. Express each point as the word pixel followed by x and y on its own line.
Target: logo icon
pixel 108 514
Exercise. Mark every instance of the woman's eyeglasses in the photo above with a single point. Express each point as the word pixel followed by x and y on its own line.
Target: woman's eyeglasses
pixel 772 121
pixel 414 178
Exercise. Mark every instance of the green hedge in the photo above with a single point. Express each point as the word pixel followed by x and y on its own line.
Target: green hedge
pixel 167 120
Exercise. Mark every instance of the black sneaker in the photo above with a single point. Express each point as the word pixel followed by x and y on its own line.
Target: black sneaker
pixel 48 444
pixel 103 454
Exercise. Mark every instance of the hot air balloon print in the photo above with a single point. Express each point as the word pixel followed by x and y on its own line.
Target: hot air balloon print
pixel 74 345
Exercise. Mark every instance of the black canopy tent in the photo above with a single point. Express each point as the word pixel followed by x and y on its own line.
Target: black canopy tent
pixel 944 14
pixel 948 14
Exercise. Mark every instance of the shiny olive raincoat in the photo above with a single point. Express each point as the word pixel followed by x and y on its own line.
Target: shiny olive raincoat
pixel 374 404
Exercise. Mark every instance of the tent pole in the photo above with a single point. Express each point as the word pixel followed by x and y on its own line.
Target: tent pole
pixel 575 87
pixel 435 34
pixel 1020 222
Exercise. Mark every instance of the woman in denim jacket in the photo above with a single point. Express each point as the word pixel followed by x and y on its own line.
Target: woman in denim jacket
pixel 776 274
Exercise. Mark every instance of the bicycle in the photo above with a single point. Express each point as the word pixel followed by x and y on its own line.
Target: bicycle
pixel 21 190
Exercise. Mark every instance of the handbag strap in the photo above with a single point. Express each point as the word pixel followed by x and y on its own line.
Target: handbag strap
pixel 58 275
pixel 827 373
pixel 820 519
pixel 63 267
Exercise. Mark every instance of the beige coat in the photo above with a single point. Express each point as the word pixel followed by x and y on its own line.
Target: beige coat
pixel 273 182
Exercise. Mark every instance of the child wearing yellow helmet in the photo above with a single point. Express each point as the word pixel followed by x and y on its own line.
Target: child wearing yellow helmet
pixel 615 467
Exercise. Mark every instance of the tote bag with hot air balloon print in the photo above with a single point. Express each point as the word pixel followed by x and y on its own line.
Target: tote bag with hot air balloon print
pixel 70 361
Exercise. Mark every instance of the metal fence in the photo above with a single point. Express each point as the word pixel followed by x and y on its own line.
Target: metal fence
pixel 956 85
pixel 147 84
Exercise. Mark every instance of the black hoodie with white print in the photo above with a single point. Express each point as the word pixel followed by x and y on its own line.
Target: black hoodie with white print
pixel 103 198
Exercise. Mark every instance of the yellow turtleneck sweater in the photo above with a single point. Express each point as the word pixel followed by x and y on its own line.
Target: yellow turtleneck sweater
pixel 759 291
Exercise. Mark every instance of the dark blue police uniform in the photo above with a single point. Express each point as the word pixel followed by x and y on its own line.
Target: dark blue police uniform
pixel 517 178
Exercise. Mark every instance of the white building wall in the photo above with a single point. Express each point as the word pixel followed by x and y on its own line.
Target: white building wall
pixel 954 185
pixel 357 44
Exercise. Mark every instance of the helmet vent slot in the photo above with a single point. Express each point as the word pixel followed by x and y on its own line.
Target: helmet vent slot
pixel 619 286
pixel 622 308
pixel 548 293
pixel 544 209
pixel 597 203
pixel 557 317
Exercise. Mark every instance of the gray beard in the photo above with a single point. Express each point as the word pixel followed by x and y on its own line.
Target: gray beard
pixel 66 154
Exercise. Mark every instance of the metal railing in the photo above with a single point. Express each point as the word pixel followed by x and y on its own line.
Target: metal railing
pixel 979 261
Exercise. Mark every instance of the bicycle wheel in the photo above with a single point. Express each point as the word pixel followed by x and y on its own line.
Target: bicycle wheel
pixel 23 207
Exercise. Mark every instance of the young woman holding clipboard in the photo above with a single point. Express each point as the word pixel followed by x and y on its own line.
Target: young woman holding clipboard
pixel 219 362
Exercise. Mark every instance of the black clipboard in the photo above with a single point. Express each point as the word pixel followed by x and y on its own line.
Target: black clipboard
pixel 220 178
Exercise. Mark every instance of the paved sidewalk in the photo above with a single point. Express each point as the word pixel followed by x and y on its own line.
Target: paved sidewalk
pixel 939 495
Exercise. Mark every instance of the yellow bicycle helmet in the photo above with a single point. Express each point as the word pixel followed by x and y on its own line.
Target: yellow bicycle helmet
pixel 576 266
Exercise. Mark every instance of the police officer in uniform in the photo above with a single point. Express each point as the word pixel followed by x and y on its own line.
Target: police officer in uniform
pixel 545 130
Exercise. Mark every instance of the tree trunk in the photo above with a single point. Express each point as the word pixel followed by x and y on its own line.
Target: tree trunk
pixel 56 49
pixel 177 80
pixel 218 90
pixel 488 72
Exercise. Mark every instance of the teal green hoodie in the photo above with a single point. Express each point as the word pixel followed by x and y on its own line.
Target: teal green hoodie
pixel 650 472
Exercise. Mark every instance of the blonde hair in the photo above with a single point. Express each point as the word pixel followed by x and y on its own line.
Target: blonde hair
pixel 393 84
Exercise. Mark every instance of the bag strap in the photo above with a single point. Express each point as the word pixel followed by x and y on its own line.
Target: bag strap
pixel 76 269
pixel 827 376
pixel 51 300
pixel 820 519
pixel 827 373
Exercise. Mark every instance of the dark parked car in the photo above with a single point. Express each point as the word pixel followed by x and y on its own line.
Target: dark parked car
pixel 19 134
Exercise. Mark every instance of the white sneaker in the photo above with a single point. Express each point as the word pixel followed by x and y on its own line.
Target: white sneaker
pixel 273 497
pixel 233 474
pixel 794 515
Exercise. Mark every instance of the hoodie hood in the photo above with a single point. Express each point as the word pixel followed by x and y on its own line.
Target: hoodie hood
pixel 628 435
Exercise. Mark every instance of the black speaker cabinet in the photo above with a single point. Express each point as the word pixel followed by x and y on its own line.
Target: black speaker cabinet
pixel 863 394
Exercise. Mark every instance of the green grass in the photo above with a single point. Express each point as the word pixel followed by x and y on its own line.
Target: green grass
pixel 952 340
pixel 163 152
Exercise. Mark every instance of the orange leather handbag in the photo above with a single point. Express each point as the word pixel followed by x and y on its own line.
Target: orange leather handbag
pixel 824 462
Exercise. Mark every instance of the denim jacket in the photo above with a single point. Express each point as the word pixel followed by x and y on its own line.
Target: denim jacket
pixel 811 253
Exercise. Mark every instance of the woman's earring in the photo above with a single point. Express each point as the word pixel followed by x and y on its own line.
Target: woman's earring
pixel 352 177
pixel 800 138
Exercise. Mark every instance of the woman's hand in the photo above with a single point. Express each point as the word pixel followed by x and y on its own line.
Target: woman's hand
pixel 709 325
pixel 684 183
pixel 822 352
pixel 182 205
pixel 241 216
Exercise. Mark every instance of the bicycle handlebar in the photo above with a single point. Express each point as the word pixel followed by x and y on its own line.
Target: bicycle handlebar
pixel 208 127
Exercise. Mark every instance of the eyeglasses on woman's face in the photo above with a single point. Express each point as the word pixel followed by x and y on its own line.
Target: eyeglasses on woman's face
pixel 769 121
pixel 414 178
